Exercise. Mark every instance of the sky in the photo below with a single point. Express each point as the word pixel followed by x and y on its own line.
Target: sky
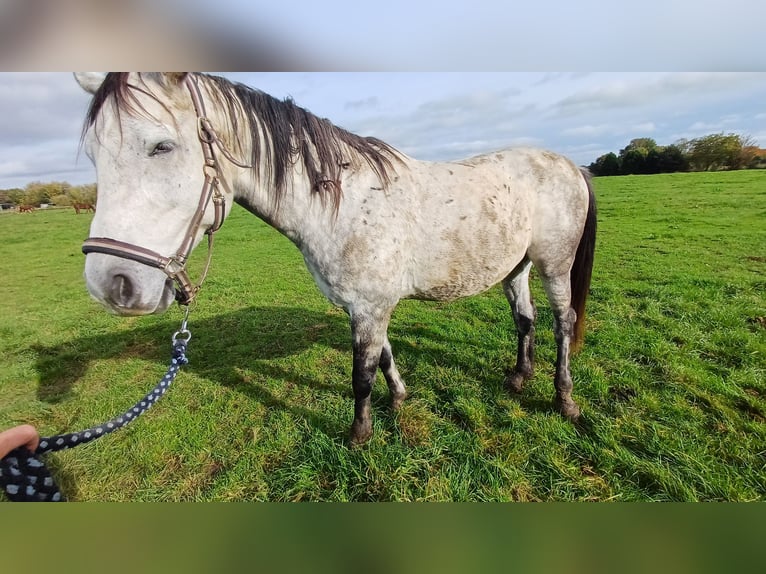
pixel 505 35
pixel 432 116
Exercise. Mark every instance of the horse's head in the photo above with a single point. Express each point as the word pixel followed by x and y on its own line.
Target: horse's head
pixel 142 135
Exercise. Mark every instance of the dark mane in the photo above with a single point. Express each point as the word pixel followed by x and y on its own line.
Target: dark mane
pixel 279 132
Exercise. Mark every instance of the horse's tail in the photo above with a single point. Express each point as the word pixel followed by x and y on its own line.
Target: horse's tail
pixel 583 266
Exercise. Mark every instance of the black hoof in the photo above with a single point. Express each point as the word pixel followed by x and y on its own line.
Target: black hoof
pixel 568 409
pixel 360 434
pixel 515 381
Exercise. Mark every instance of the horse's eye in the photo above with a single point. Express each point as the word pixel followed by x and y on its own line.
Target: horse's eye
pixel 162 147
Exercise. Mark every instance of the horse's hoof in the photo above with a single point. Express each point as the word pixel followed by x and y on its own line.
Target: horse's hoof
pixel 568 409
pixel 360 434
pixel 397 401
pixel 515 381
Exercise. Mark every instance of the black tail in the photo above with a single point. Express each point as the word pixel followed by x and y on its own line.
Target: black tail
pixel 583 267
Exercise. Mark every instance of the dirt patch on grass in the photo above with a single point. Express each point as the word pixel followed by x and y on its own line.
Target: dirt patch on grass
pixel 753 411
pixel 622 394
pixel 415 424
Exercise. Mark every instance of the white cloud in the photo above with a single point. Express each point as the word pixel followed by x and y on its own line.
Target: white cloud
pixel 12 167
pixel 451 127
pixel 647 90
pixel 40 105
pixel 644 128
pixel 591 131
pixel 363 104
pixel 699 126
pixel 588 130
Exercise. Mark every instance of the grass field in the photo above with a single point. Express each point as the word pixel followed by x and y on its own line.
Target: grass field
pixel 672 379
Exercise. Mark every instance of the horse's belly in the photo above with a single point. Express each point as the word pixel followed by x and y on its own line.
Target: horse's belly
pixel 467 264
pixel 471 250
pixel 455 279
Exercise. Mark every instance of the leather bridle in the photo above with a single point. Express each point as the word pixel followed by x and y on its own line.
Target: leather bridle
pixel 175 267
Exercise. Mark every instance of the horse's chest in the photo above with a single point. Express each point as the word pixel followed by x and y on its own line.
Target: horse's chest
pixel 360 262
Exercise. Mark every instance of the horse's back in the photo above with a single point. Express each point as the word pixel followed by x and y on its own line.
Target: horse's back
pixel 480 217
pixel 552 193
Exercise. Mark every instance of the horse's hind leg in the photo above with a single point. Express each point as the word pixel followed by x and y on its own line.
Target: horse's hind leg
pixel 559 294
pixel 516 287
pixel 393 378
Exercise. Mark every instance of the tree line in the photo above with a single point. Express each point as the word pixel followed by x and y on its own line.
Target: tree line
pixel 708 153
pixel 53 193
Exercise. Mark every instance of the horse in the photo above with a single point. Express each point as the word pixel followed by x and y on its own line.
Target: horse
pixel 374 225
pixel 86 207
pixel 26 208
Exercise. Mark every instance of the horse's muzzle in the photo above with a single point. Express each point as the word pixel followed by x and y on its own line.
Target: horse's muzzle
pixel 126 289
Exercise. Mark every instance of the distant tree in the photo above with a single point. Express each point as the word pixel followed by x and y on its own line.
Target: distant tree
pixel 62 199
pixel 652 160
pixel 756 157
pixel 633 161
pixel 86 193
pixel 36 193
pixel 607 164
pixel 684 145
pixel 646 144
pixel 748 152
pixel 716 151
pixel 672 159
pixel 639 156
pixel 13 195
pixel 58 188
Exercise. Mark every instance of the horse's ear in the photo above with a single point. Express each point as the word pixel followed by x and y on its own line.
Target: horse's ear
pixel 90 81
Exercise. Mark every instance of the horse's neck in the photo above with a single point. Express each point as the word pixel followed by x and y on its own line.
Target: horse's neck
pixel 252 187
pixel 296 211
pixel 291 215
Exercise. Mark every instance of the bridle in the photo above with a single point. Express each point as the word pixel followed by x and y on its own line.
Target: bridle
pixel 175 267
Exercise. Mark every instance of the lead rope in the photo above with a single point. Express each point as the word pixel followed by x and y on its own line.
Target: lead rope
pixel 23 474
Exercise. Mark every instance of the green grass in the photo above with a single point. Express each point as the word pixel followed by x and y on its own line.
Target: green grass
pixel 672 378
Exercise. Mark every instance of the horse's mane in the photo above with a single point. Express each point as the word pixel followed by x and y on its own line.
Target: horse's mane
pixel 279 133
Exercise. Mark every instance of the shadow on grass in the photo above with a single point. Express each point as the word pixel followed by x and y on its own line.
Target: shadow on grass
pixel 222 348
pixel 226 345
pixel 221 345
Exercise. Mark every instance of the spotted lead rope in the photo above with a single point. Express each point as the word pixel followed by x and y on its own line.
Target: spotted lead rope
pixel 24 476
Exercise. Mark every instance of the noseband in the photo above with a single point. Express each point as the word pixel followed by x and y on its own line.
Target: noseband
pixel 175 267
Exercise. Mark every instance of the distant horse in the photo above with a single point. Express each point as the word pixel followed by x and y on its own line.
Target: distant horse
pixel 86 207
pixel 374 225
pixel 26 208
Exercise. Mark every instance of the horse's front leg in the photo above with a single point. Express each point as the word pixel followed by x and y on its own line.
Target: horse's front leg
pixel 394 380
pixel 368 331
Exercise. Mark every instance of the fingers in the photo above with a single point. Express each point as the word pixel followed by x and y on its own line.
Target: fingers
pixel 23 435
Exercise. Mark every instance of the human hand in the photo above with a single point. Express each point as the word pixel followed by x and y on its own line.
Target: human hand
pixel 22 435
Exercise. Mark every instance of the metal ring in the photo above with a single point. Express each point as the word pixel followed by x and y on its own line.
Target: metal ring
pixel 182 335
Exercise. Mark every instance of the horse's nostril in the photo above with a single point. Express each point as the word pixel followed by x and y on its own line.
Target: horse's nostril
pixel 121 291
